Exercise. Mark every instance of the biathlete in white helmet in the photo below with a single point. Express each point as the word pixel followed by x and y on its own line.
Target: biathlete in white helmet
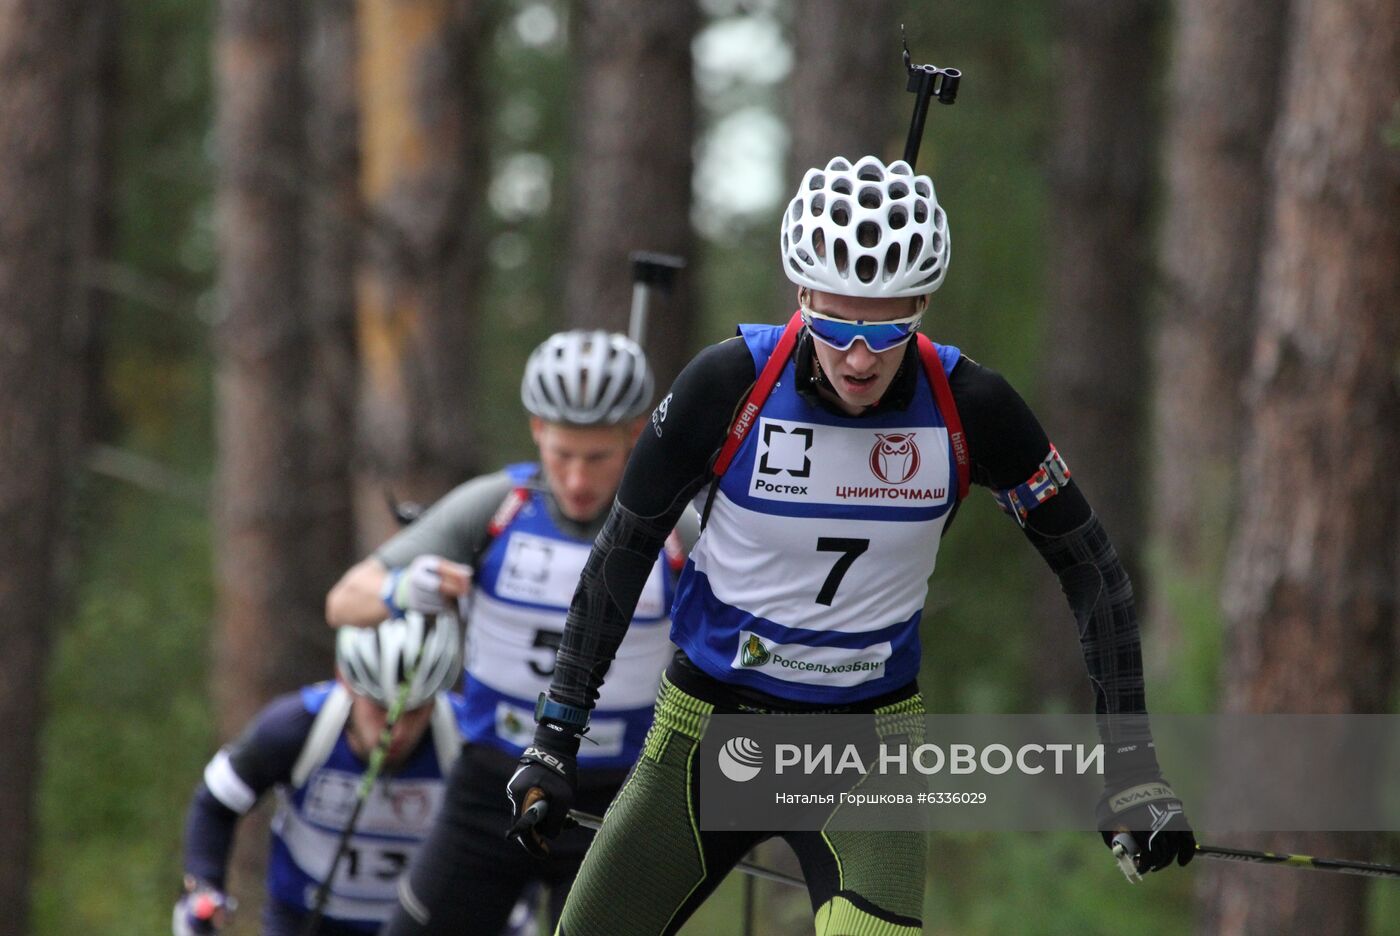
pixel 827 459
pixel 509 547
pixel 313 747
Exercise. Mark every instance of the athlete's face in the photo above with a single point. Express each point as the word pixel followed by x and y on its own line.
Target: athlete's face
pixel 583 465
pixel 859 376
pixel 367 723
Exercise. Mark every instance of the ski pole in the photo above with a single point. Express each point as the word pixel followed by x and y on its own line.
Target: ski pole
pixel 1338 865
pixel 649 271
pixel 1124 848
pixel 367 780
pixel 926 82
pixel 594 823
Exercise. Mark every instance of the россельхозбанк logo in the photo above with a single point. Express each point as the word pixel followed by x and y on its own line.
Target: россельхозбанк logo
pixel 754 653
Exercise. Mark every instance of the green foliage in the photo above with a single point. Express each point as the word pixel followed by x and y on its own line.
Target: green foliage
pixel 1043 883
pixel 158 332
pixel 130 726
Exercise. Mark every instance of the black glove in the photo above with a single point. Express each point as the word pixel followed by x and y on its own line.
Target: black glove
pixel 548 772
pixel 1155 818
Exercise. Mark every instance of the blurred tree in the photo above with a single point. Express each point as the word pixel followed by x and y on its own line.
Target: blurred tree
pixel 39 71
pixel 1216 199
pixel 332 249
pixel 422 171
pixel 633 128
pixel 1092 369
pixel 94 224
pixel 847 72
pixel 272 633
pixel 278 480
pixel 1310 593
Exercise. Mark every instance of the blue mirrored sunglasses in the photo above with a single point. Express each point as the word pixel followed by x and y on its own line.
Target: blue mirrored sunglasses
pixel 841 333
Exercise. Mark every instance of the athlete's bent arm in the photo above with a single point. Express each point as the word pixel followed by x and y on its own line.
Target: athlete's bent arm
pixel 448 535
pixel 1009 447
pixel 669 465
pixel 355 600
pixel 233 782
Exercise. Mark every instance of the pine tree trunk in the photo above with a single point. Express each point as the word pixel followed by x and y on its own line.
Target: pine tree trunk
pixel 849 69
pixel 270 581
pixel 841 93
pixel 1093 388
pixel 630 183
pixel 94 226
pixel 332 245
pixel 422 172
pixel 1310 596
pixel 1225 79
pixel 39 71
pixel 271 631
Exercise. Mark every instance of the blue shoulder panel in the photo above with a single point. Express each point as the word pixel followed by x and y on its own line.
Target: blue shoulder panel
pixel 314 696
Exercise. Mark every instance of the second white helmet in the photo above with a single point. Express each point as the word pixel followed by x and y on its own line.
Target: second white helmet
pixel 375 660
pixel 866 230
pixel 587 378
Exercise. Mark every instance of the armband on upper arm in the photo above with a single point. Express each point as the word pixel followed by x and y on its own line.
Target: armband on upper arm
pixel 1049 478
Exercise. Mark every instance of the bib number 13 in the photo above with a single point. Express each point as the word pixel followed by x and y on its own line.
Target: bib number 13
pixel 850 549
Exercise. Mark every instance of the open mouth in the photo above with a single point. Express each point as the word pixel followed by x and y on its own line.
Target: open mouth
pixel 858 384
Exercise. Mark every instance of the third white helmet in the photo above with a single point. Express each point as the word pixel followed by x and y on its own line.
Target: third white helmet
pixel 375 660
pixel 866 230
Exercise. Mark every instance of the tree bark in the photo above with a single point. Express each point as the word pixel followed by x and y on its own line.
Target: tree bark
pixel 841 95
pixel 850 71
pixel 1224 82
pixel 276 485
pixel 1093 391
pixel 422 171
pixel 39 71
pixel 94 225
pixel 271 630
pixel 634 124
pixel 1310 596
pixel 332 244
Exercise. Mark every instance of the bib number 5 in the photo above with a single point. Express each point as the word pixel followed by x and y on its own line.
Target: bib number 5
pixel 850 549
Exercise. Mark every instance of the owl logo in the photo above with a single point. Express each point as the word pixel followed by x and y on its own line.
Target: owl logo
pixel 411 806
pixel 895 458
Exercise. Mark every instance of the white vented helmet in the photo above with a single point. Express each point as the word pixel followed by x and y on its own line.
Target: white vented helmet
pixel 587 378
pixel 375 660
pixel 866 230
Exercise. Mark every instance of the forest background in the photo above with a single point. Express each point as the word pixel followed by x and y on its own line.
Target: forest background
pixel 262 262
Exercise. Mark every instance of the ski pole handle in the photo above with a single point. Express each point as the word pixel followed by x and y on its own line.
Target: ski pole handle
pixel 1125 851
pixel 536 811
